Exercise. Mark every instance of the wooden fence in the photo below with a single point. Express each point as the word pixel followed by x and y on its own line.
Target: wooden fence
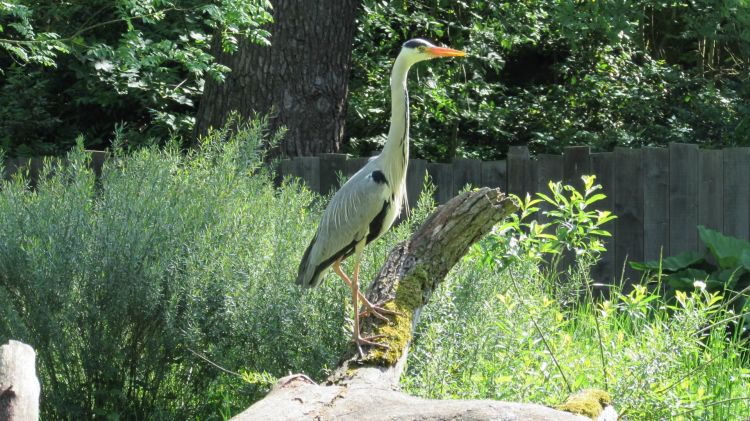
pixel 659 195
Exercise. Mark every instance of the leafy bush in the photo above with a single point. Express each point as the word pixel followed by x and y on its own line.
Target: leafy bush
pixel 568 231
pixel 125 284
pixel 724 267
pixel 497 328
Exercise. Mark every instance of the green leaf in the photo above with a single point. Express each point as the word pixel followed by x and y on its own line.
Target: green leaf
pixel 595 198
pixel 672 263
pixel 745 259
pixel 727 250
pixel 684 280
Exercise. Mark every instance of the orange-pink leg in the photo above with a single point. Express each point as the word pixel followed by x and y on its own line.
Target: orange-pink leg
pixel 371 309
pixel 356 294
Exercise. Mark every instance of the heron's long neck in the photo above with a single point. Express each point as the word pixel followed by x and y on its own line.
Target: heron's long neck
pixel 395 153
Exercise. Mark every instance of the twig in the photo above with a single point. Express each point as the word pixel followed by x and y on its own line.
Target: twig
pixel 204 358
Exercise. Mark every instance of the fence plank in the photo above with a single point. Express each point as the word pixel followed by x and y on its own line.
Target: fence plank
pixel 518 157
pixel 530 170
pixel 415 180
pixel 737 192
pixel 550 169
pixel 495 174
pixel 354 164
pixel 603 167
pixel 576 163
pixel 442 176
pixel 331 164
pixel 287 168
pixel 683 197
pixel 97 161
pixel 711 189
pixel 309 171
pixel 466 171
pixel 655 203
pixel 629 211
pixel 10 167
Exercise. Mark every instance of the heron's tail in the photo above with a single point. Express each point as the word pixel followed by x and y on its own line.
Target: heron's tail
pixel 307 276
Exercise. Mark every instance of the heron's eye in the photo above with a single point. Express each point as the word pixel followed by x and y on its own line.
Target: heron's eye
pixel 420 48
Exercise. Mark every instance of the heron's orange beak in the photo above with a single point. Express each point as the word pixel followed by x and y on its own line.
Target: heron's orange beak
pixel 445 52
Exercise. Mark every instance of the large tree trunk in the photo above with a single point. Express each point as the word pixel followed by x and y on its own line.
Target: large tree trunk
pixel 301 79
pixel 366 387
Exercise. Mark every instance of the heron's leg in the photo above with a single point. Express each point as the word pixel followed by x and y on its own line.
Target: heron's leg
pixel 356 337
pixel 373 309
pixel 370 307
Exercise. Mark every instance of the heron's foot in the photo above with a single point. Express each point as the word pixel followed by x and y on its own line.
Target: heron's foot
pixel 377 311
pixel 368 340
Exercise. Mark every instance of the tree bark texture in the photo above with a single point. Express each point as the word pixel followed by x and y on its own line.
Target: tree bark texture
pixel 301 79
pixel 366 387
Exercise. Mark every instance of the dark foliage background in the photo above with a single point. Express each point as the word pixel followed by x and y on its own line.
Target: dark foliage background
pixel 86 67
pixel 551 74
pixel 541 72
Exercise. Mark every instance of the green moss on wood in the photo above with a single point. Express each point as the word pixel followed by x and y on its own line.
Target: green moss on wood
pixel 398 333
pixel 589 403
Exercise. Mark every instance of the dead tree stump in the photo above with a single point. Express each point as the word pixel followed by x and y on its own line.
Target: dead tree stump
pixel 366 388
pixel 19 386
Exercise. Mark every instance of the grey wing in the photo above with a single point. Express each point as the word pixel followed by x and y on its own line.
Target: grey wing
pixel 354 211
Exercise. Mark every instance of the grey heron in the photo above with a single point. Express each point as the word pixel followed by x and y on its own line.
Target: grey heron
pixel 368 203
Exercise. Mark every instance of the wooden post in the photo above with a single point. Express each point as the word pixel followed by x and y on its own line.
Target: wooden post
pixel 655 203
pixel 518 158
pixel 602 165
pixel 683 197
pixel 737 192
pixel 19 386
pixel 629 211
pixel 98 158
pixel 711 188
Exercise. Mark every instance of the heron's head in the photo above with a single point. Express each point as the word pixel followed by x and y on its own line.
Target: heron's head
pixel 417 49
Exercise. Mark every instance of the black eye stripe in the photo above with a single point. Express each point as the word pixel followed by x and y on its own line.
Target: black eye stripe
pixel 416 43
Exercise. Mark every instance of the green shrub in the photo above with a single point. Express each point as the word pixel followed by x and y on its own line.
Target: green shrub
pixel 723 267
pixel 124 284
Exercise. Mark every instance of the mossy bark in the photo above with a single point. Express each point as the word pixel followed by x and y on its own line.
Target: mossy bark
pixel 366 387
